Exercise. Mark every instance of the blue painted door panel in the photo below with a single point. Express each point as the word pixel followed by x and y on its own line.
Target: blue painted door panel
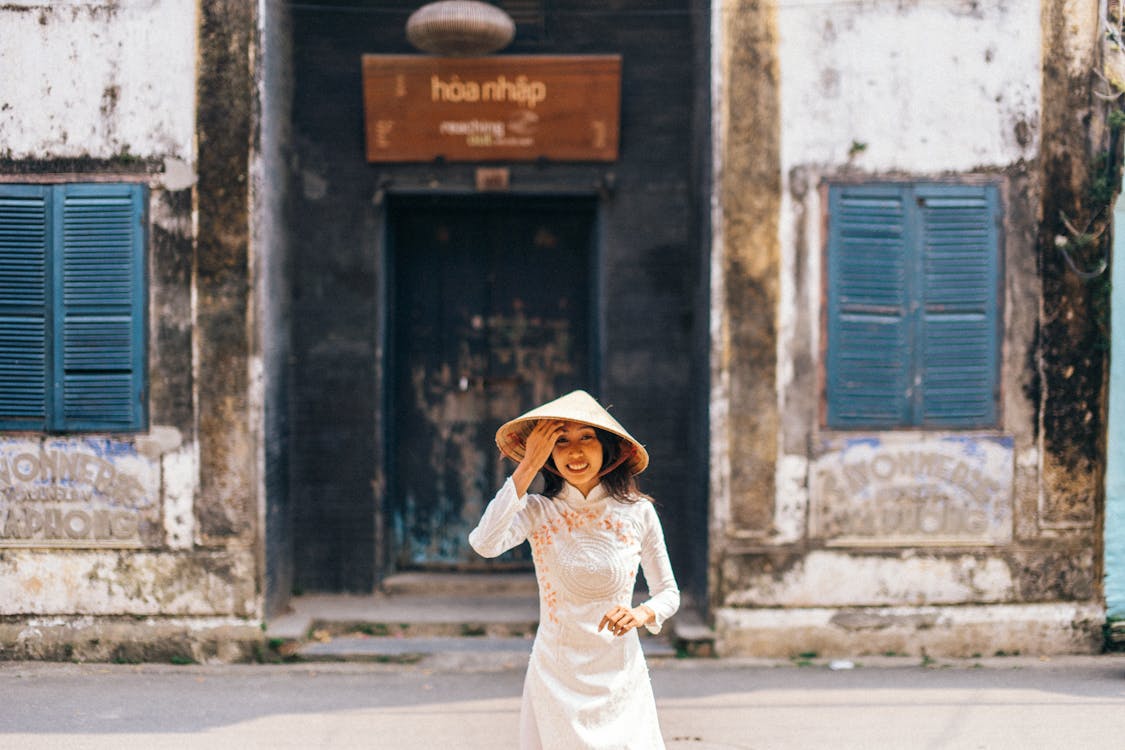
pixel 492 315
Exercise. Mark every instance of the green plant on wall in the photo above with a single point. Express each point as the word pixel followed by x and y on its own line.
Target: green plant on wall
pixel 1085 243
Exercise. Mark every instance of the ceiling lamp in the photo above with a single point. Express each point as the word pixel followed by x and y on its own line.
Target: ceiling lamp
pixel 460 28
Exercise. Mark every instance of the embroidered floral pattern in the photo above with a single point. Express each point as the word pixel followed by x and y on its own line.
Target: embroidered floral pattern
pixel 551 599
pixel 621 529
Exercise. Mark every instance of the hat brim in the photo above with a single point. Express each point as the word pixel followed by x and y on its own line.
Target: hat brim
pixel 577 406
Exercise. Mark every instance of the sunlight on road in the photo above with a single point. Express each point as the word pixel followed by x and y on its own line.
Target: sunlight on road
pixel 462 725
pixel 1027 705
pixel 864 719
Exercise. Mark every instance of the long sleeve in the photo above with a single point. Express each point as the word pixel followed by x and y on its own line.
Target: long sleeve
pixel 504 525
pixel 664 594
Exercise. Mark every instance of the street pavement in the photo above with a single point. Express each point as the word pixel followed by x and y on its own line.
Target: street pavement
pixel 472 701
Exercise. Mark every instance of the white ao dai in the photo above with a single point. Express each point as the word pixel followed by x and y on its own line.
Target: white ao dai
pixel 585 689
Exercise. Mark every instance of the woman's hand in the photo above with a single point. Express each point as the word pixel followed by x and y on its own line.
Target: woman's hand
pixel 620 620
pixel 536 451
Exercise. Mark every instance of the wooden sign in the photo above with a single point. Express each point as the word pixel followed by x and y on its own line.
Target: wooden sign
pixel 502 108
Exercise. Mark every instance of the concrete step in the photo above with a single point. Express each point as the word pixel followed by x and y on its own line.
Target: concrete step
pixel 411 649
pixel 390 611
pixel 460 584
pixel 691 637
pixel 1117 632
pixel 513 650
pixel 433 615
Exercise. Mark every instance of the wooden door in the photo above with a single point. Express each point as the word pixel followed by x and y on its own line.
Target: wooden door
pixel 491 314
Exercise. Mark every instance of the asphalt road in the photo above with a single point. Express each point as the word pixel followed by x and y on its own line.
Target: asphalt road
pixel 1072 702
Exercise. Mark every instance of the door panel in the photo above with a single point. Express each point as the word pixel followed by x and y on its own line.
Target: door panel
pixel 491 316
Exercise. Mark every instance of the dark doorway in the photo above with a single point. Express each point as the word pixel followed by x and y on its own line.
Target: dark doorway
pixel 492 311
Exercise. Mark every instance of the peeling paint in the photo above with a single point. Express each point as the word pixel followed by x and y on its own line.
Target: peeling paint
pixel 160 439
pixel 995 91
pixel 202 640
pixel 961 631
pixel 180 484
pixel 946 100
pixel 825 579
pixel 129 583
pixel 791 510
pixel 178 174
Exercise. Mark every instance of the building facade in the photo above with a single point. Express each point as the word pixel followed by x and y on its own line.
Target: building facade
pixel 139 338
pixel 909 353
pixel 830 269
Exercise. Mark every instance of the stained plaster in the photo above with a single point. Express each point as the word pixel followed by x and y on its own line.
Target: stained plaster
pixel 99 80
pixel 117 101
pixel 863 96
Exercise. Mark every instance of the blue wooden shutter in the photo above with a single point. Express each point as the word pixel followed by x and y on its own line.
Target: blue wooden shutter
pixel 24 306
pixel 869 289
pixel 100 337
pixel 960 321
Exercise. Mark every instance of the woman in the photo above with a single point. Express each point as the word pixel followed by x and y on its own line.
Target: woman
pixel 587 683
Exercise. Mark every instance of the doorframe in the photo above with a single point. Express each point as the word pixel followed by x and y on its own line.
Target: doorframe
pixel 386 352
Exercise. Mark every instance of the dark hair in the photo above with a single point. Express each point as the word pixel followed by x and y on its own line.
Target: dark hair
pixel 620 483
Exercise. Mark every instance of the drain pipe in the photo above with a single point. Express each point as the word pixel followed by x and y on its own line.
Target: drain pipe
pixel 1115 444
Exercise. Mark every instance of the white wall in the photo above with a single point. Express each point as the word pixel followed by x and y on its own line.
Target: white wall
pixel 918 88
pixel 883 88
pixel 97 79
pixel 928 86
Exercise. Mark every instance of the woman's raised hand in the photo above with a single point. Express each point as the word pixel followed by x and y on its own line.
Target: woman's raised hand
pixel 537 449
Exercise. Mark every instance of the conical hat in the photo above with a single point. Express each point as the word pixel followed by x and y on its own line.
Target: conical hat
pixel 576 406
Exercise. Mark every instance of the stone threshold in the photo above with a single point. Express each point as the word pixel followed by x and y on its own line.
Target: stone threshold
pixel 420 616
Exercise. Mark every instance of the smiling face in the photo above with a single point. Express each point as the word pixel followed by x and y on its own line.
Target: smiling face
pixel 578 456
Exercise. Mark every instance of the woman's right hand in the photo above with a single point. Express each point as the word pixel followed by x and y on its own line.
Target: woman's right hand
pixel 537 449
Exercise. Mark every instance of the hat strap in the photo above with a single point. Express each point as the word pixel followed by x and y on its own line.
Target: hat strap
pixel 627 452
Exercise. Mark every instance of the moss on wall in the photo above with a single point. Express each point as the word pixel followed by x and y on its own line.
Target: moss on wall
pixel 1072 348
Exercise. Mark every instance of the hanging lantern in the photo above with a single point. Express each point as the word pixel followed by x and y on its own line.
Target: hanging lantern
pixel 460 28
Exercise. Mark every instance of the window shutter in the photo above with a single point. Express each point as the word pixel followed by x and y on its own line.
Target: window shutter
pixel 868 316
pixel 960 276
pixel 100 302
pixel 24 307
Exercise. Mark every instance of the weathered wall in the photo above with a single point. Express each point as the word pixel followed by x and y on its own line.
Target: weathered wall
pixel 270 271
pixel 745 253
pixel 108 91
pixel 963 98
pixel 226 507
pixel 964 101
pixel 97 79
pixel 1074 326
